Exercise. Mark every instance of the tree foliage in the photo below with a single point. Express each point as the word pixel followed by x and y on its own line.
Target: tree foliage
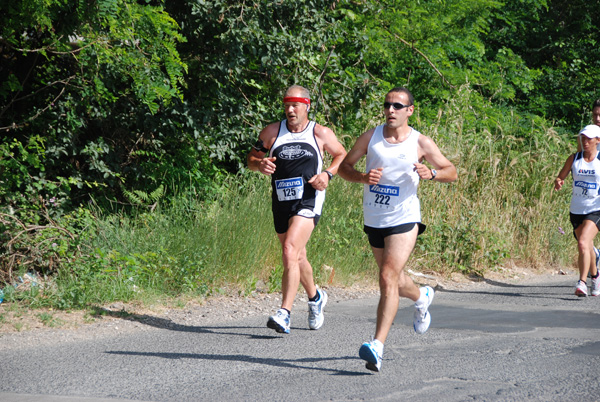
pixel 82 84
pixel 133 101
pixel 243 55
pixel 101 96
pixel 558 40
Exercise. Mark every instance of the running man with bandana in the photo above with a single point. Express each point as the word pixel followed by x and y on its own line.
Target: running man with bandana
pixel 291 153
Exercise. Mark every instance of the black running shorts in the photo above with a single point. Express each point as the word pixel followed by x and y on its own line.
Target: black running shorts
pixel 281 217
pixel 577 220
pixel 377 235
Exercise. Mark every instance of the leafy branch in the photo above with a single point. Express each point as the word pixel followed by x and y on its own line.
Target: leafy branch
pixel 412 46
pixel 320 80
pixel 14 126
pixel 142 198
pixel 31 244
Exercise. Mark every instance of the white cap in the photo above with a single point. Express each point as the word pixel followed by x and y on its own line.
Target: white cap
pixel 591 131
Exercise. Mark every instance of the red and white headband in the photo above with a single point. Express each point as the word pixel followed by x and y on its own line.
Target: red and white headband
pixel 296 99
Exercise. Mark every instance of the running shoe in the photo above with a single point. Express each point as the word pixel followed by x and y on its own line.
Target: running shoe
pixel 280 322
pixel 596 286
pixel 315 310
pixel 369 352
pixel 422 317
pixel 595 281
pixel 581 289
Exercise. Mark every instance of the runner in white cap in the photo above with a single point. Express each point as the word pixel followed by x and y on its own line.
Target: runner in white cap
pixel 585 205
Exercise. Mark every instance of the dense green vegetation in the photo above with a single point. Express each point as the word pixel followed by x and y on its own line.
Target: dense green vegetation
pixel 124 127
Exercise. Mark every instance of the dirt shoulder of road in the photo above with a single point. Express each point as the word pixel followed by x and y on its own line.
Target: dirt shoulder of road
pixel 26 326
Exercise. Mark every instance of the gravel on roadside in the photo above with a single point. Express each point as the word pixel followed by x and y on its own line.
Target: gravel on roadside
pixel 22 327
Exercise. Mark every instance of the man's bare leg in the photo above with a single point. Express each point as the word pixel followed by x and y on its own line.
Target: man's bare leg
pixel 393 282
pixel 296 268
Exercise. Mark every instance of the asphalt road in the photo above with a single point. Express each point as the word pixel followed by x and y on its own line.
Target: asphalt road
pixel 496 342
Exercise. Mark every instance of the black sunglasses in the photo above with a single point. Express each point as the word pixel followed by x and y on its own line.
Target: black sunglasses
pixel 396 105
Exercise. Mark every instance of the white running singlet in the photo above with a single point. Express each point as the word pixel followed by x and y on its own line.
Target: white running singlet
pixel 586 185
pixel 393 201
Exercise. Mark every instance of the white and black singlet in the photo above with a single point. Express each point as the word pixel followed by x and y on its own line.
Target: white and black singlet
pixel 586 185
pixel 298 160
pixel 393 200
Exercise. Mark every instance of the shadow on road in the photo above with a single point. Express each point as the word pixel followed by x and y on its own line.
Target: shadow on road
pixel 514 285
pixel 519 290
pixel 291 363
pixel 164 323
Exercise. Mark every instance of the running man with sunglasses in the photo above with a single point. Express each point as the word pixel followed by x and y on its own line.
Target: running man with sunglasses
pixel 291 153
pixel 392 212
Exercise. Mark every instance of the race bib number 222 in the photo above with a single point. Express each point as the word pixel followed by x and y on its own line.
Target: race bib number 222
pixel 381 196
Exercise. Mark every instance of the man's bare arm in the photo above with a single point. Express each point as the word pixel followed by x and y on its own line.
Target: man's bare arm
pixel 332 146
pixel 446 171
pixel 256 157
pixel 347 170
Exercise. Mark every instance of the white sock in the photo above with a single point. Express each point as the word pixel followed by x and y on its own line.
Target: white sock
pixel 378 346
pixel 422 301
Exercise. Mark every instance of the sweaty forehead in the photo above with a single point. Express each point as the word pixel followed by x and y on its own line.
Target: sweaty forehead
pixel 397 97
pixel 293 94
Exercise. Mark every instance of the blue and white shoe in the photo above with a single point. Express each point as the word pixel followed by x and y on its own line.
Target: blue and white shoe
pixel 372 355
pixel 422 317
pixel 315 310
pixel 280 322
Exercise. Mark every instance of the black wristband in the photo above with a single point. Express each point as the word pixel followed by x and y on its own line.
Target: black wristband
pixel 329 174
